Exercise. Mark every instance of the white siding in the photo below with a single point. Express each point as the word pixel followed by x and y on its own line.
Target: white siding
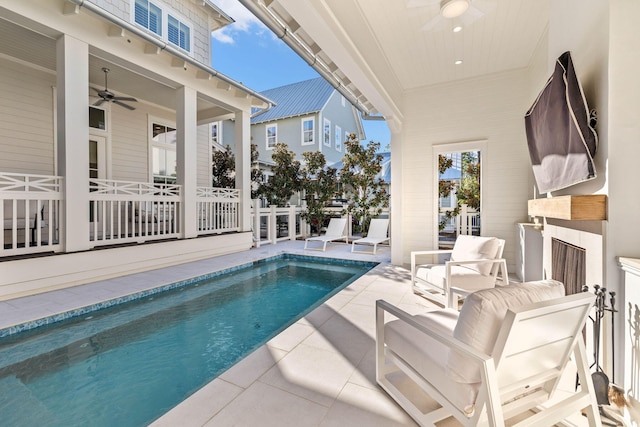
pixel 26 119
pixel 130 141
pixel 489 108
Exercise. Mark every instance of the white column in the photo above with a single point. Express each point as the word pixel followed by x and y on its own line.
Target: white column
pixel 242 146
pixel 395 209
pixel 186 158
pixel 72 83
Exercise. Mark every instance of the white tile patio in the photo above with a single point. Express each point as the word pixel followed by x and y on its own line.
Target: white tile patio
pixel 318 372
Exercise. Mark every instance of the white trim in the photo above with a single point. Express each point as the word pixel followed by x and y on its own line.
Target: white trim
pixel 266 134
pixel 326 122
pixel 150 144
pixel 337 132
pixel 456 147
pixel 313 130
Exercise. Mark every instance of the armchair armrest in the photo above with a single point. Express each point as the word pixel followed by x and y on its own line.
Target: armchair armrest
pixel 449 341
pixel 416 254
pixel 453 290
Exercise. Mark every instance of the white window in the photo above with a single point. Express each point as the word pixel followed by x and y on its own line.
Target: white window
pixel 308 131
pixel 169 26
pixel 148 15
pixel 272 136
pixel 216 134
pixel 338 134
pixel 163 153
pixel 178 33
pixel 326 133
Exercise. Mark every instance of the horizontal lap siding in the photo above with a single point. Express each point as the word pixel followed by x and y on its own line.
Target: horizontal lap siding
pixel 26 119
pixel 489 108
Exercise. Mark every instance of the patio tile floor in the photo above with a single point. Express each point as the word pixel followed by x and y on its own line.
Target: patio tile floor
pixel 318 372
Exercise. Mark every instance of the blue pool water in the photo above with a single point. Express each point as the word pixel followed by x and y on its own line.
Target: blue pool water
pixel 129 364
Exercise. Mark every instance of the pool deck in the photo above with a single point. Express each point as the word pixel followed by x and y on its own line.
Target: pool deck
pixel 318 372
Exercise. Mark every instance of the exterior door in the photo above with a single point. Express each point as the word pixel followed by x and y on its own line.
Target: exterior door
pixel 97 165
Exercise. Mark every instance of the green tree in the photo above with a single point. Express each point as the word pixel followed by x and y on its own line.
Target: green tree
pixel 320 184
pixel 445 188
pixel 285 180
pixel 467 191
pixel 223 170
pixel 365 193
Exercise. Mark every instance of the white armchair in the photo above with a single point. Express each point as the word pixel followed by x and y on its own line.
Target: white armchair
pixel 501 356
pixel 474 264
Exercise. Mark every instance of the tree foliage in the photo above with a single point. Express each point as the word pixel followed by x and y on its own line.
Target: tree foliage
pixel 365 193
pixel 320 184
pixel 467 191
pixel 223 170
pixel 285 180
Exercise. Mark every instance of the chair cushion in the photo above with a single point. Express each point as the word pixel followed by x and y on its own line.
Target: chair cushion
pixel 469 248
pixel 466 278
pixel 427 356
pixel 481 318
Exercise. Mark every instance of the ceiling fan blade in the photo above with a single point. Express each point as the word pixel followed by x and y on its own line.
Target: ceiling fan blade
pixel 98 102
pixel 122 104
pixel 123 98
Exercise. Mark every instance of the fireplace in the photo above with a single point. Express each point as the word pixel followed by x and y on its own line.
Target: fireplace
pixel 568 265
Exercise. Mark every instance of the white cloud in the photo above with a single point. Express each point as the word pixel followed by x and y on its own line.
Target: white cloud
pixel 245 21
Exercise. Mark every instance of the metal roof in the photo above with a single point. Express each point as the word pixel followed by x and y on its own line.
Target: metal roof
pixel 296 99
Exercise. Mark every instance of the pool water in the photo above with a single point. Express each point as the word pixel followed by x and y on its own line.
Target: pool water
pixel 129 364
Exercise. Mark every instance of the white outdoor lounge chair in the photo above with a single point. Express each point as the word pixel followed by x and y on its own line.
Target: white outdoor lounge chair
pixel 501 356
pixel 377 234
pixel 475 263
pixel 335 231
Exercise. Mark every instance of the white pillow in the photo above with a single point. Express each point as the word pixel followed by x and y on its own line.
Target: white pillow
pixel 469 248
pixel 481 318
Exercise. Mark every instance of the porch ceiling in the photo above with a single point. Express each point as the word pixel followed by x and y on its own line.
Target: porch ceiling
pixel 34 44
pixel 382 48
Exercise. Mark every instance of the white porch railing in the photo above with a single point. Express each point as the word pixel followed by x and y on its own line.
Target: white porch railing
pixel 466 222
pixel 122 211
pixel 30 213
pixel 218 210
pixel 274 224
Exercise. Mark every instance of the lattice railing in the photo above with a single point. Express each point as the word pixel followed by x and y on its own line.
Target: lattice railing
pixel 122 211
pixel 30 213
pixel 218 210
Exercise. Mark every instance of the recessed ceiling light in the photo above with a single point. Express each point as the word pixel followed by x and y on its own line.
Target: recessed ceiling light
pixel 458 62
pixel 457 29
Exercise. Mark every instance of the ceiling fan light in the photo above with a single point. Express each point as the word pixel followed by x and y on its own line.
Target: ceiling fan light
pixel 453 8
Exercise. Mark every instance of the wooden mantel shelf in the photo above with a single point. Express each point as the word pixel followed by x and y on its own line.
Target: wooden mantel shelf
pixel 586 207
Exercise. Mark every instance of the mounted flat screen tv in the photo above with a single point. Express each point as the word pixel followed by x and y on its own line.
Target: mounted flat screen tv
pixel 560 131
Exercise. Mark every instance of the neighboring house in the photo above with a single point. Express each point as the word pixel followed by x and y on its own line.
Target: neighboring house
pixel 106 111
pixel 309 116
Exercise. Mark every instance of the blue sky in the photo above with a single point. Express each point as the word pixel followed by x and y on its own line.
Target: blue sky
pixel 248 52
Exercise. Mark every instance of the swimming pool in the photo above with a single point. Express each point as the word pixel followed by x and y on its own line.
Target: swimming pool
pixel 129 364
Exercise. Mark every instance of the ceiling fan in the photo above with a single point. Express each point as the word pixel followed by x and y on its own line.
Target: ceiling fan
pixel 446 14
pixel 107 96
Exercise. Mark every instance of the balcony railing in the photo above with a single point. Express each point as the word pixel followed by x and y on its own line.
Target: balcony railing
pixel 30 213
pixel 218 210
pixel 122 211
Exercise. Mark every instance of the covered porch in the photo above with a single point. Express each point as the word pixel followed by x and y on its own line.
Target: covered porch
pixel 89 163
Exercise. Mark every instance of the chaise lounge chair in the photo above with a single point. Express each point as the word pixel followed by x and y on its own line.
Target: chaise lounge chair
pixel 377 234
pixel 501 356
pixel 335 231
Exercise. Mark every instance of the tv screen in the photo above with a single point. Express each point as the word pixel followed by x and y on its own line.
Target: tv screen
pixel 560 134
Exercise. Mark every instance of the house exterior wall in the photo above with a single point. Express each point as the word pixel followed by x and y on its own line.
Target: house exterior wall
pixel 487 109
pixel 342 114
pixel 26 119
pixel 195 15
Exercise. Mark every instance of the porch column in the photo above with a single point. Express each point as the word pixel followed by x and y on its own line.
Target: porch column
pixel 242 146
pixel 186 158
pixel 72 86
pixel 395 207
